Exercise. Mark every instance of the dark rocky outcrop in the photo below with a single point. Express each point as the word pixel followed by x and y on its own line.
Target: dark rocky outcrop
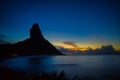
pixel 35 45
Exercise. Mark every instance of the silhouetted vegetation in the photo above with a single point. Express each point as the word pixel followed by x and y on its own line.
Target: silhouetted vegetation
pixel 6 74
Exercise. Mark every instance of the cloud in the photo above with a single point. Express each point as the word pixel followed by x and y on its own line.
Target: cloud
pixel 66 50
pixel 104 50
pixel 70 43
pixel 2 36
pixel 2 39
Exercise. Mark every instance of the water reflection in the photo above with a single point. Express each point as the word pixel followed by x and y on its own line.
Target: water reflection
pixel 92 66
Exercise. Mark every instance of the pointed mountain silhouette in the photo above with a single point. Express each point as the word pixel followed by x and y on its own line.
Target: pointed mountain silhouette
pixel 35 45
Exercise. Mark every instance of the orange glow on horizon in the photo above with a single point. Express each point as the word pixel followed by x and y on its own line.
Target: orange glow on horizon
pixel 83 49
pixel 84 46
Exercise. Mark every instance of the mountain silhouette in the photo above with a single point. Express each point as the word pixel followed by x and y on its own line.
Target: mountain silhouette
pixel 35 45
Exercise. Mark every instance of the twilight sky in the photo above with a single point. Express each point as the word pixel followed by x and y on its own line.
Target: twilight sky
pixel 68 23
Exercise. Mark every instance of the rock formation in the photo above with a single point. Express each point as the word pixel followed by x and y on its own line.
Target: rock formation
pixel 35 45
pixel 35 33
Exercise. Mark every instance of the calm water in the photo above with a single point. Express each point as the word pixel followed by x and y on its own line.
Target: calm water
pixel 84 66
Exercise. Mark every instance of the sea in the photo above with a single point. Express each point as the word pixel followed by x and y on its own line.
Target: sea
pixel 98 67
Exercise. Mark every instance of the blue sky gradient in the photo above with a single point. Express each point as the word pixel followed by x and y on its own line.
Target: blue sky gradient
pixel 85 22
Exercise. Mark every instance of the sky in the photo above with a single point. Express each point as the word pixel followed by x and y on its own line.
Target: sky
pixel 67 23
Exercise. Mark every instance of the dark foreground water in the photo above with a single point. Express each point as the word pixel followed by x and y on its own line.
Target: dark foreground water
pixel 96 67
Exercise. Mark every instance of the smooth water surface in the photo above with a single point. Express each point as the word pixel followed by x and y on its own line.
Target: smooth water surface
pixel 84 66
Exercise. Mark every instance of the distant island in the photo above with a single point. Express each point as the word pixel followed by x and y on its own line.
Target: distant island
pixel 35 45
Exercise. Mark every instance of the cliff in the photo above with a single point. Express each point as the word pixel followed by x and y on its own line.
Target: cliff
pixel 35 45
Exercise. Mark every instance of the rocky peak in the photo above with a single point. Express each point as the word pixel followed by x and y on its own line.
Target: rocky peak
pixel 35 32
pixel 35 45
